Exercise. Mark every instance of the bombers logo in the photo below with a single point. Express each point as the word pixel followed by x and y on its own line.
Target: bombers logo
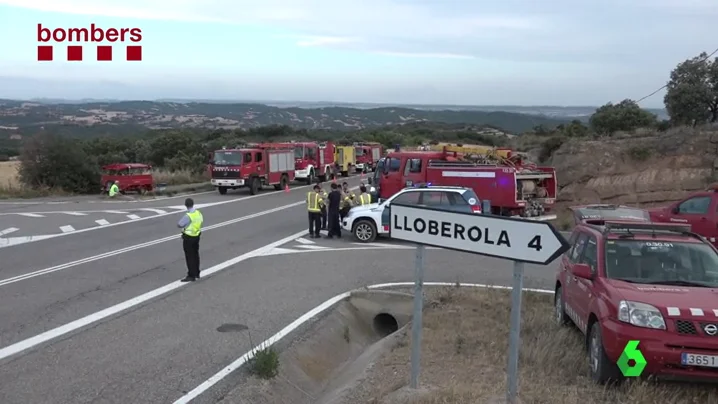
pixel 93 34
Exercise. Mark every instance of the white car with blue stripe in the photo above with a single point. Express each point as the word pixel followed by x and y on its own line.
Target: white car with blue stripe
pixel 368 222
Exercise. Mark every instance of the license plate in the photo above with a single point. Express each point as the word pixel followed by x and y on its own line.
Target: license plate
pixel 709 361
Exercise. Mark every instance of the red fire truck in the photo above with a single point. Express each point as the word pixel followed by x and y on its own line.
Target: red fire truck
pixel 251 167
pixel 312 160
pixel 368 154
pixel 513 186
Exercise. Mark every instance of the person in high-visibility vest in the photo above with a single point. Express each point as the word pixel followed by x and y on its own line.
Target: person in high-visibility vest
pixel 191 225
pixel 314 208
pixel 114 189
pixel 364 198
pixel 323 193
pixel 347 200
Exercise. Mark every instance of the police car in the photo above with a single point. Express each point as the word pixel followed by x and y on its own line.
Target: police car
pixel 369 221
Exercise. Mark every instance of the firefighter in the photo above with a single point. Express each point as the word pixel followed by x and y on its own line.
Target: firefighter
pixel 314 208
pixel 347 200
pixel 323 212
pixel 335 198
pixel 364 197
pixel 114 189
pixel 191 225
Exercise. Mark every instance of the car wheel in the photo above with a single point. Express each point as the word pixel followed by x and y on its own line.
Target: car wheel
pixel 310 178
pixel 560 308
pixel 222 190
pixel 601 368
pixel 364 231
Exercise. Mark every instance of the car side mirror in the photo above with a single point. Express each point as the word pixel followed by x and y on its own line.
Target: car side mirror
pixel 582 271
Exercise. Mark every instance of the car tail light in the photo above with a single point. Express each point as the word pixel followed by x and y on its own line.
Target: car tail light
pixel 476 208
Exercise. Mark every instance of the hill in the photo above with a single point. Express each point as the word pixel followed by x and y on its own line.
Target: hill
pixel 24 116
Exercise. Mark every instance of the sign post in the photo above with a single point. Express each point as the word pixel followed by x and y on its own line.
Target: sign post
pixel 416 323
pixel 519 240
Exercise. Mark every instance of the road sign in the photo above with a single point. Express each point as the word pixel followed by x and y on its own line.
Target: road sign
pixel 494 236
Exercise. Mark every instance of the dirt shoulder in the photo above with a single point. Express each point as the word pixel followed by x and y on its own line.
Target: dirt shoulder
pixel 464 351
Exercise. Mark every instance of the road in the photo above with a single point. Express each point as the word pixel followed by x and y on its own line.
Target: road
pixel 98 316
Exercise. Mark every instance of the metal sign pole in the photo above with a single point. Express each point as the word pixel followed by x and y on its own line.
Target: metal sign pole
pixel 515 333
pixel 417 317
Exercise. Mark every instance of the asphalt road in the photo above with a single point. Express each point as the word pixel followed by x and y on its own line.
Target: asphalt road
pixel 262 273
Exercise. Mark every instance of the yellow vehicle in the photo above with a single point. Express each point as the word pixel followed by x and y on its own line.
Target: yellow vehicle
pixel 345 157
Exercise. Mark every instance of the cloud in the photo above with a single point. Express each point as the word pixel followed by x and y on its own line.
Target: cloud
pixel 425 55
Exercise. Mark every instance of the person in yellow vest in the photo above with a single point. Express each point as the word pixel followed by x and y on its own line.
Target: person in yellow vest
pixel 114 189
pixel 191 225
pixel 323 193
pixel 314 208
pixel 348 198
pixel 364 198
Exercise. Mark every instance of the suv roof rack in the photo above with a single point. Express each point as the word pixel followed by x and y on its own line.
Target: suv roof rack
pixel 646 227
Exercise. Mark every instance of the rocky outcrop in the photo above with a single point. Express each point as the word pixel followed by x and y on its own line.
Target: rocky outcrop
pixel 642 168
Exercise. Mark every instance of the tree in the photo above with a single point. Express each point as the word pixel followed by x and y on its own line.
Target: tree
pixel 624 116
pixel 58 162
pixel 692 91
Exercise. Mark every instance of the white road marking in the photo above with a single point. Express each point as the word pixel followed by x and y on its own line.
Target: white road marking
pixel 30 215
pixel 158 211
pixel 22 240
pixel 375 244
pixel 8 231
pixel 313 247
pixel 279 251
pixel 304 241
pixel 67 229
pixel 56 268
pixel 227 370
pixel 102 222
pixel 118 308
pixel 75 213
pixel 119 212
pixel 133 217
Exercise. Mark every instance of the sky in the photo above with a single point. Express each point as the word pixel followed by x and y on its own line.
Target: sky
pixel 470 52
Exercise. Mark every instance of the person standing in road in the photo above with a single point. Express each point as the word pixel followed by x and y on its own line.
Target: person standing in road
pixel 114 189
pixel 335 199
pixel 323 212
pixel 364 198
pixel 314 208
pixel 191 225
pixel 347 200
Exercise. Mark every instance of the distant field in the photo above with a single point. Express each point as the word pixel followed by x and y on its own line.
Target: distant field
pixel 8 174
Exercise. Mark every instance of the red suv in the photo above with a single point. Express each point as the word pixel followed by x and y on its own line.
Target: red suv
pixel 632 279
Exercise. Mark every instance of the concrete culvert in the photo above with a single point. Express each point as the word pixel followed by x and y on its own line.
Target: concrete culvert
pixel 385 324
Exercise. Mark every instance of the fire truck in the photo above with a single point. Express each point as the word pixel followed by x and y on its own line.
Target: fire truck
pixel 251 167
pixel 512 185
pixel 312 160
pixel 368 154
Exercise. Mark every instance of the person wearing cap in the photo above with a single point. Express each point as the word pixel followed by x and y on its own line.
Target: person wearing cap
pixel 191 225
pixel 314 208
pixel 323 207
pixel 114 189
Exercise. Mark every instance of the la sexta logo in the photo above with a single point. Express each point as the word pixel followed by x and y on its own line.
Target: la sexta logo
pixel 75 38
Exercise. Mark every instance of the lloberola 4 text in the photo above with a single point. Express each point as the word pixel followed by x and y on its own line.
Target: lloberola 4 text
pixel 451 230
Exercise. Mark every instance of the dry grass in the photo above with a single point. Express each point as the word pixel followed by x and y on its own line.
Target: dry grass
pixel 8 174
pixel 464 358
pixel 180 177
